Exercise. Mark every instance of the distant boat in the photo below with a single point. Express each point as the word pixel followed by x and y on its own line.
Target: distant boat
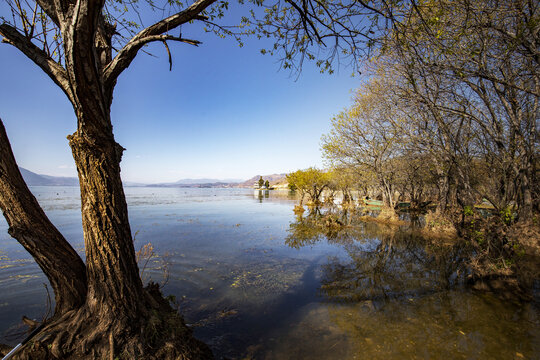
pixel 372 202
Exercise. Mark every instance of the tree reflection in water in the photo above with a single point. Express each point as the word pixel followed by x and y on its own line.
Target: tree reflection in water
pixel 382 261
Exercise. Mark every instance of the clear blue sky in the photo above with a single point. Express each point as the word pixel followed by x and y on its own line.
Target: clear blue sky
pixel 222 112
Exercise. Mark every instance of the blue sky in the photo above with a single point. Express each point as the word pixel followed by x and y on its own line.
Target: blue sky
pixel 222 112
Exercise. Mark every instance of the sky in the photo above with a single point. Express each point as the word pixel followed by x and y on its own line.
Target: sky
pixel 223 112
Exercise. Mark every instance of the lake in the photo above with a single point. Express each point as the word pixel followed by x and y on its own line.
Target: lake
pixel 256 281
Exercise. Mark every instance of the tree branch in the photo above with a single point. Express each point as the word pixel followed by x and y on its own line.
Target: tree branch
pixel 50 9
pixel 170 37
pixel 126 55
pixel 56 72
pixel 305 18
pixel 29 225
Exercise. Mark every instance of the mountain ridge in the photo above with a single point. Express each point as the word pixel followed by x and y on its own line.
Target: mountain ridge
pixel 34 179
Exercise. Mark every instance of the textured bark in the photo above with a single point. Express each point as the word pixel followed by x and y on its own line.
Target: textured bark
pixel 113 276
pixel 114 284
pixel 33 230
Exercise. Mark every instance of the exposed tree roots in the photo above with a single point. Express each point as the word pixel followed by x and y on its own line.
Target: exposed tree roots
pixel 159 333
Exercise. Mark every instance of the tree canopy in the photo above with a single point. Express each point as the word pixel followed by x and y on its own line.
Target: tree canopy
pixel 311 182
pixel 452 107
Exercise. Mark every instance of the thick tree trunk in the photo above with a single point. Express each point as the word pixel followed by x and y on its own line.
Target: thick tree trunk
pixel 114 284
pixel 388 193
pixel 33 230
pixel 119 317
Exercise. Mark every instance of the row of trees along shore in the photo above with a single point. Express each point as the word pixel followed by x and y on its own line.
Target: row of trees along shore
pixel 448 115
pixel 454 89
pixel 450 112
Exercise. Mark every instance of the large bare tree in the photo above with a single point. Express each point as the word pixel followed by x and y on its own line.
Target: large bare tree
pixel 102 308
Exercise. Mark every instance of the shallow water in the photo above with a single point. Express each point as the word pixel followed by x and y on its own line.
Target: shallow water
pixel 255 281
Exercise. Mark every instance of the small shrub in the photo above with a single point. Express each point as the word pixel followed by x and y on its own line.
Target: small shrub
pixel 507 216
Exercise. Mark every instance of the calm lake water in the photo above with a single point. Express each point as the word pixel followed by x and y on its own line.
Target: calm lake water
pixel 256 281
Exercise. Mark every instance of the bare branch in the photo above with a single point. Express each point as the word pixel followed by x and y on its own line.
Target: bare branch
pixel 56 72
pixel 126 55
pixel 150 39
pixel 305 19
pixel 168 53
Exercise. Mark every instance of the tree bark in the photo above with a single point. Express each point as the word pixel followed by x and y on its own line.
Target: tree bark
pixel 113 276
pixel 34 231
pixel 114 285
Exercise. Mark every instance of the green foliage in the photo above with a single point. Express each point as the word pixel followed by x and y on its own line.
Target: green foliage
pixel 261 182
pixel 311 181
pixel 437 116
pixel 478 236
pixel 519 250
pixel 267 183
pixel 507 215
pixel 468 210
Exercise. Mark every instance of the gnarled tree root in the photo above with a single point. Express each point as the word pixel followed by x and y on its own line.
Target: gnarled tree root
pixel 159 333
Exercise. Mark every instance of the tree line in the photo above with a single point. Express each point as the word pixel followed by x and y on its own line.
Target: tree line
pixel 448 115
pixel 450 110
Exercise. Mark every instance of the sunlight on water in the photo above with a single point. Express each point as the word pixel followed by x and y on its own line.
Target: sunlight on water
pixel 255 281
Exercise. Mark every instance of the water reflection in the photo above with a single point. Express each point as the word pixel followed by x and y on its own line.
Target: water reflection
pixel 257 282
pixel 261 194
pixel 382 262
pixel 276 195
pixel 396 295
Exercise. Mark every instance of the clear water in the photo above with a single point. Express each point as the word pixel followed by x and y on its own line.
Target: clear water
pixel 255 281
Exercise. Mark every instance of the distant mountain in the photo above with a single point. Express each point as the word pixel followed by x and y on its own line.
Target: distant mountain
pixel 227 183
pixel 33 179
pixel 273 179
pixel 132 184
pixel 206 181
pixel 199 183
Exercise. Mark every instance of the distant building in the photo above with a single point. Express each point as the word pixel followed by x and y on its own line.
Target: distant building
pixel 256 186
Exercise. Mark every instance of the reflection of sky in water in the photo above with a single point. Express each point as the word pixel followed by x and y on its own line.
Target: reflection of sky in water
pixel 248 294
